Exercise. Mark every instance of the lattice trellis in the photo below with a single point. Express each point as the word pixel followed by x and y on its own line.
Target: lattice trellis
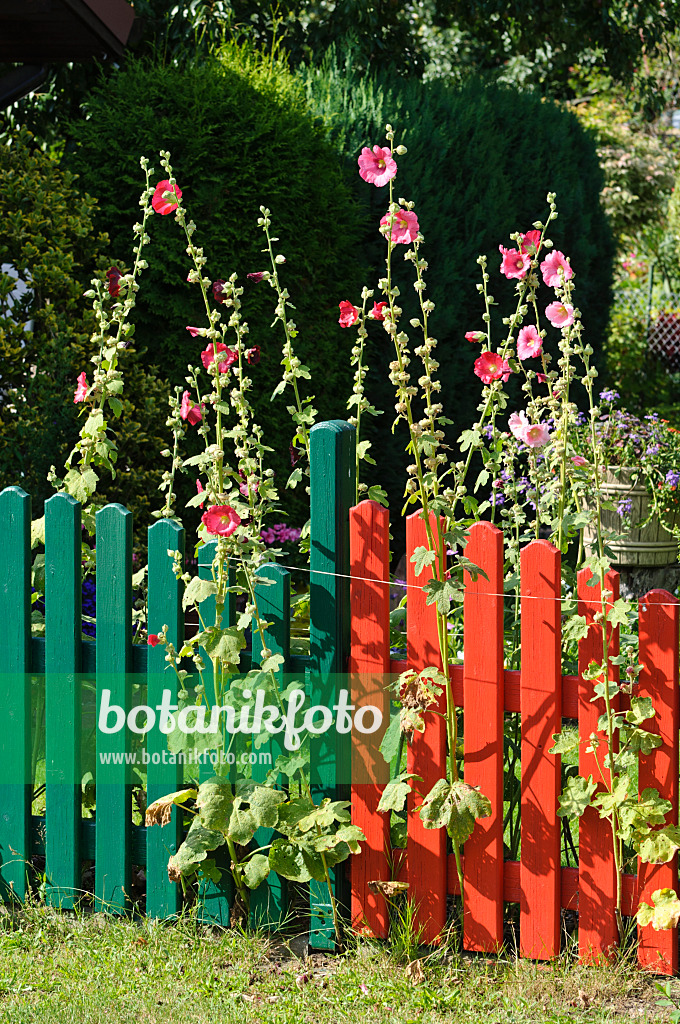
pixel 663 334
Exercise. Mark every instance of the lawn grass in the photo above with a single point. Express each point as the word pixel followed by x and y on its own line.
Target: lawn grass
pixel 59 968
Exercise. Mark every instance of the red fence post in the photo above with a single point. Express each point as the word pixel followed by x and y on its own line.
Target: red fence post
pixel 426 848
pixel 658 654
pixel 541 713
pixel 369 666
pixel 597 930
pixel 483 737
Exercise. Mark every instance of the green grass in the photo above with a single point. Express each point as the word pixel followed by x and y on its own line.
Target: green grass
pixel 90 969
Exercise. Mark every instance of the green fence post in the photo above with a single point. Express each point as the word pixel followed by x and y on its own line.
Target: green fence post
pixel 113 861
pixel 332 483
pixel 163 897
pixel 15 693
pixel 269 902
pixel 63 706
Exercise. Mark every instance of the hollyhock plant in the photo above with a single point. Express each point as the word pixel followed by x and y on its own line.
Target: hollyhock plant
pixel 529 343
pixel 404 226
pixel 208 356
pixel 377 166
pixel 560 314
pixel 514 264
pixel 535 435
pixel 491 366
pixel 189 411
pixel 349 314
pixel 166 204
pixel 556 269
pixel 81 390
pixel 221 520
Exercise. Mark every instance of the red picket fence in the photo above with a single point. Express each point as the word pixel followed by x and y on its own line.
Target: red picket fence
pixel 542 696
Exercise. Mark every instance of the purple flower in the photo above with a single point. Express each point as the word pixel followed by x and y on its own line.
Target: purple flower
pixel 672 478
pixel 609 395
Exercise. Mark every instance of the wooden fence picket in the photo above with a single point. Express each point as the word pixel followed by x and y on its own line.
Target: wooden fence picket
pixel 541 716
pixel 597 933
pixel 658 655
pixel 369 667
pixel 426 848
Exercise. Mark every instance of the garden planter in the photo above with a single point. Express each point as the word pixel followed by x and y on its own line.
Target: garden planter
pixel 646 546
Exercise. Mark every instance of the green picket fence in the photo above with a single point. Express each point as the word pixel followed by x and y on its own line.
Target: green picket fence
pixel 63 658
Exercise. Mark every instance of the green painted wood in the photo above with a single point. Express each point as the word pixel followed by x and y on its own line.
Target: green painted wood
pixel 113 861
pixel 15 693
pixel 269 902
pixel 332 478
pixel 63 628
pixel 215 897
pixel 163 897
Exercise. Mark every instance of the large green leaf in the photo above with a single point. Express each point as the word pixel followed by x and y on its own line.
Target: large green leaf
pixel 198 590
pixel 256 870
pixel 576 796
pixel 194 849
pixel 454 806
pixel 389 747
pixel 664 914
pixel 160 811
pixel 285 857
pixel 657 846
pixel 394 795
pixel 214 802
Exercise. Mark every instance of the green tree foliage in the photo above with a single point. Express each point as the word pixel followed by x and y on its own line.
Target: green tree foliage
pixel 240 136
pixel 481 160
pixel 48 241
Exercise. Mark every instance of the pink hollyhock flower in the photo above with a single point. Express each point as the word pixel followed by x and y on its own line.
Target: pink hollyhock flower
pixel 257 276
pixel 490 366
pixel 243 487
pixel 221 520
pixel 189 410
pixel 518 423
pixel 253 354
pixel 217 288
pixel 349 314
pixel 81 390
pixel 533 434
pixel 578 460
pixel 541 378
pixel 560 314
pixel 113 276
pixel 530 242
pixel 153 639
pixel 529 343
pixel 200 489
pixel 404 226
pixel 377 312
pixel 514 263
pixel 475 336
pixel 208 356
pixel 196 332
pixel 556 270
pixel 162 205
pixel 378 166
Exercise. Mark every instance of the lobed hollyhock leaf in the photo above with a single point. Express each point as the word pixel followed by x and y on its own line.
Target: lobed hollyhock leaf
pixel 214 802
pixel 454 806
pixel 256 870
pixel 576 796
pixel 664 914
pixel 160 811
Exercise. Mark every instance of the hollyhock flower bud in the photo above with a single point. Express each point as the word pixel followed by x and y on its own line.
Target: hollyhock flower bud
pixel 377 166
pixel 257 276
pixel 514 263
pixel 189 411
pixel 560 314
pixel 164 205
pixel 113 277
pixel 404 226
pixel 474 336
pixel 529 343
pixel 556 269
pixel 217 288
pixel 490 366
pixel 196 332
pixel 349 314
pixel 221 520
pixel 81 390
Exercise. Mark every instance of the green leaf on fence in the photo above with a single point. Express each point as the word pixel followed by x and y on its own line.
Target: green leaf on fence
pixel 421 557
pixel 565 742
pixel 395 793
pixel 325 814
pixel 664 914
pixel 642 741
pixel 607 802
pixel 285 857
pixel 658 845
pixel 160 811
pixel 389 748
pixel 193 850
pixel 214 802
pixel 576 796
pixel 256 870
pixel 225 644
pixel 454 806
pixel 197 591
pixel 611 687
pixel 618 614
pixel 575 629
pixel 641 709
pixel 442 593
pixel 376 493
pixel 210 870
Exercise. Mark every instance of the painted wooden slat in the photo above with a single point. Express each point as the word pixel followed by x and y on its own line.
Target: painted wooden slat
pixel 597 930
pixel 163 897
pixel 541 714
pixel 483 738
pixel 15 693
pixel 215 897
pixel 332 472
pixel 63 627
pixel 269 902
pixel 426 848
pixel 113 862
pixel 658 654
pixel 369 666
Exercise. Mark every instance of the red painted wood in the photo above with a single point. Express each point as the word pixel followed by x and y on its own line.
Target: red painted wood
pixel 426 848
pixel 483 688
pixel 659 613
pixel 597 931
pixel 369 665
pixel 541 714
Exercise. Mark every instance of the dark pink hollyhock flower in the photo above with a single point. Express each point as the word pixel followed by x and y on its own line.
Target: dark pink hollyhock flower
pixel 349 314
pixel 514 264
pixel 377 166
pixel 200 489
pixel 256 277
pixel 221 520
pixel 530 242
pixel 189 410
pixel 208 356
pixel 153 639
pixel 113 276
pixel 81 390
pixel 253 354
pixel 405 226
pixel 474 336
pixel 541 378
pixel 217 288
pixel 377 313
pixel 162 205
pixel 490 366
pixel 196 332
